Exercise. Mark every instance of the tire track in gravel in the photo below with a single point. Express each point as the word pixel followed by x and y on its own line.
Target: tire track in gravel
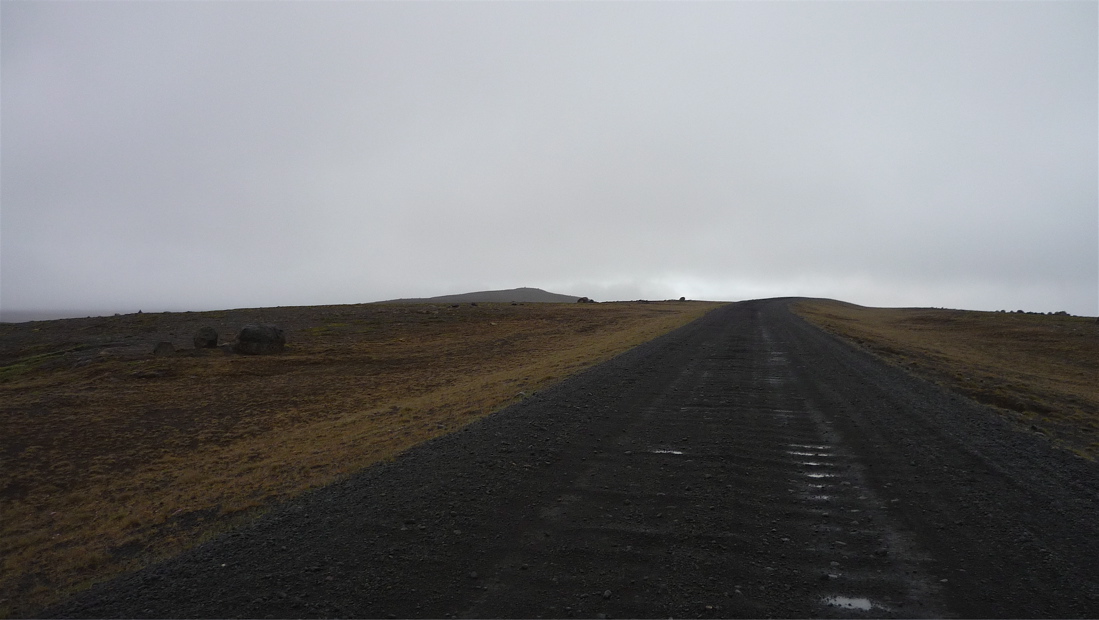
pixel 746 465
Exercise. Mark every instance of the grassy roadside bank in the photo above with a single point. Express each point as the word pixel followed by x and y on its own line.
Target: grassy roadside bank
pixel 113 458
pixel 1040 370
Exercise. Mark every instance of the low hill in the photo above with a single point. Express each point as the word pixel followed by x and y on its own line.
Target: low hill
pixel 525 295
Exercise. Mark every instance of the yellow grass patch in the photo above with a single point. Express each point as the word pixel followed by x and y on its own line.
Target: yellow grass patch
pixel 1041 370
pixel 110 465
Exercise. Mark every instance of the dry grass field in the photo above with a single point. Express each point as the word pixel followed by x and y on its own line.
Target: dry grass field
pixel 1040 370
pixel 113 458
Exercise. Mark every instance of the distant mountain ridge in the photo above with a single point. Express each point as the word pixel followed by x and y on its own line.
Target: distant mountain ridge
pixel 524 295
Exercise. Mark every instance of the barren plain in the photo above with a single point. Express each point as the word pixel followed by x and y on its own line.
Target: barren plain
pixel 747 464
pixel 113 458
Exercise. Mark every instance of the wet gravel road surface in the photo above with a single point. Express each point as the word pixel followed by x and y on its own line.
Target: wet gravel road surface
pixel 747 464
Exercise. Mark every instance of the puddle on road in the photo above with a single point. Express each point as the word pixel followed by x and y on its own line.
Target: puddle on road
pixel 810 446
pixel 847 602
pixel 800 453
pixel 665 452
pixel 820 474
pixel 814 463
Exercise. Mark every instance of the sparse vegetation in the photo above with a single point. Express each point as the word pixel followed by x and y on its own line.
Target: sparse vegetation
pixel 1041 370
pixel 114 458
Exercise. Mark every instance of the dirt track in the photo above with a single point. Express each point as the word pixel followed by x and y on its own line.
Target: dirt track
pixel 745 465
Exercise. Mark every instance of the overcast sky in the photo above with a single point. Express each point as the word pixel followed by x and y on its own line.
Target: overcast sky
pixel 206 155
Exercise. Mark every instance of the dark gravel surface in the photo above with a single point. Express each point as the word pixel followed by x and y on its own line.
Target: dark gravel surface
pixel 747 464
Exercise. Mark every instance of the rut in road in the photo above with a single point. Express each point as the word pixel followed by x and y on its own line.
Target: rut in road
pixel 744 465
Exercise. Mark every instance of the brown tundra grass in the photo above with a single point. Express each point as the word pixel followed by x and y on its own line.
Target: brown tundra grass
pixel 1042 371
pixel 113 458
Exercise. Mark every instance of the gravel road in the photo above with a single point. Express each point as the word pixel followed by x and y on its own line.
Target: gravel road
pixel 747 464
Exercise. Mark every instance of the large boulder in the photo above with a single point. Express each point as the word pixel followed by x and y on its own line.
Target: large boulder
pixel 164 349
pixel 261 339
pixel 206 338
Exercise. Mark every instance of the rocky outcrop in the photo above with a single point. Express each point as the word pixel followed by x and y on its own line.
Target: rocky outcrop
pixel 206 338
pixel 260 339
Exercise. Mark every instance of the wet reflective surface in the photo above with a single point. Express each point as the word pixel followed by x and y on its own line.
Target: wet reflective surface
pixel 810 446
pixel 860 603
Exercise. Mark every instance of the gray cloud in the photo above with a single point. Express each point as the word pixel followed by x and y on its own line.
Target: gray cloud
pixel 178 155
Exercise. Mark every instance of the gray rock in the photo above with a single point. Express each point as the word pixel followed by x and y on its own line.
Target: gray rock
pixel 164 349
pixel 263 339
pixel 206 338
